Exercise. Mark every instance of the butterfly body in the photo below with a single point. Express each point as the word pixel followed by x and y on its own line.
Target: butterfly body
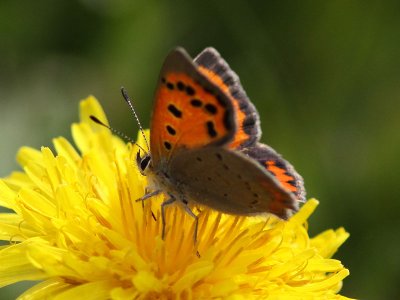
pixel 204 145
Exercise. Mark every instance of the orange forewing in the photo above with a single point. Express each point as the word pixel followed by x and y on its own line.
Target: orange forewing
pixel 186 115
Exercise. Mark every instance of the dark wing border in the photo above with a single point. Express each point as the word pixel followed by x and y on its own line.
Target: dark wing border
pixel 210 59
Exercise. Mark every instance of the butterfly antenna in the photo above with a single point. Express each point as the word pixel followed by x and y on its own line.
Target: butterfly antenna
pixel 128 100
pixel 117 132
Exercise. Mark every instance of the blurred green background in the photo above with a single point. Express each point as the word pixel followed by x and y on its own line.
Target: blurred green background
pixel 324 75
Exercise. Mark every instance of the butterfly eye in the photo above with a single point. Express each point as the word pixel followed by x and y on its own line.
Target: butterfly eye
pixel 143 162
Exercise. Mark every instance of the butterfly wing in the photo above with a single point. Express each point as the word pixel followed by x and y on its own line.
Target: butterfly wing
pixel 248 132
pixel 282 170
pixel 190 111
pixel 204 134
pixel 231 182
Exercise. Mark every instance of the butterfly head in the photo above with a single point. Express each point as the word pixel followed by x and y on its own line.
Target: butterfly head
pixel 143 163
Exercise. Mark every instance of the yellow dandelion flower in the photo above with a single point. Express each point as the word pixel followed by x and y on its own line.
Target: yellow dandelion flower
pixel 75 227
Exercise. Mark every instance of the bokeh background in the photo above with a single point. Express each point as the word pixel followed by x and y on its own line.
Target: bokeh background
pixel 324 75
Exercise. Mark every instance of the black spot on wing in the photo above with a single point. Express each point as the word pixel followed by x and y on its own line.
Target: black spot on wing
pixel 180 85
pixel 167 145
pixel 196 103
pixel 174 111
pixel 171 130
pixel 219 156
pixel 190 90
pixel 211 108
pixel 211 129
pixel 170 85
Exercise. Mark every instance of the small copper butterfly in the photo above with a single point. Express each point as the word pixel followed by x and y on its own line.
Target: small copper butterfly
pixel 204 144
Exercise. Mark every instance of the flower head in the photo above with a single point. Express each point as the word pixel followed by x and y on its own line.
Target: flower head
pixel 75 226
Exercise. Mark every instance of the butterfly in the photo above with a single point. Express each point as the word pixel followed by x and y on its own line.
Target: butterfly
pixel 204 144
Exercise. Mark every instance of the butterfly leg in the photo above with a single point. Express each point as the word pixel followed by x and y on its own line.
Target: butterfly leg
pixel 196 222
pixel 163 206
pixel 148 195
